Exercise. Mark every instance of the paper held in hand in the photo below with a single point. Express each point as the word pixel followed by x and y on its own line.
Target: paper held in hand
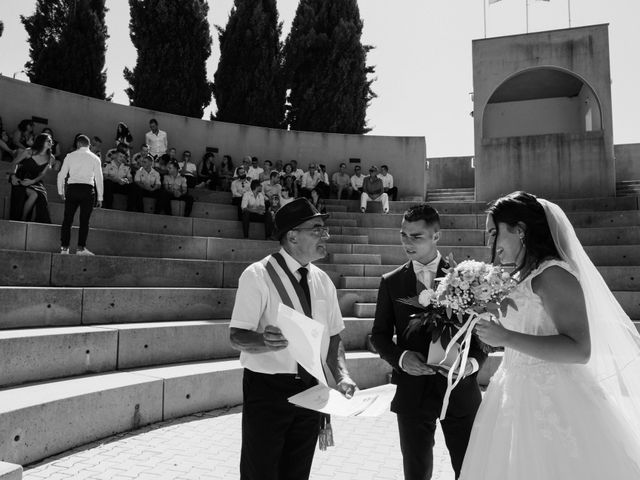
pixel 305 338
pixel 372 402
pixel 436 354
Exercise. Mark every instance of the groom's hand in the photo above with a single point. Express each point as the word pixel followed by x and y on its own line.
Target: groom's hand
pixel 347 387
pixel 414 363
pixel 273 338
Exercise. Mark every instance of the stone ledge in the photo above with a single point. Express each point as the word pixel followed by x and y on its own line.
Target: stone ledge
pixel 10 471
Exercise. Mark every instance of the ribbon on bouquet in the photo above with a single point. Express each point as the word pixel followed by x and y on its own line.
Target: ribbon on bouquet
pixel 461 358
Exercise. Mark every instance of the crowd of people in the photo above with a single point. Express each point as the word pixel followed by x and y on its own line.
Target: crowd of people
pixel 154 171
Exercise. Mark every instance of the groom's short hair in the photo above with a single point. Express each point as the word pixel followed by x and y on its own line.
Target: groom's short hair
pixel 423 211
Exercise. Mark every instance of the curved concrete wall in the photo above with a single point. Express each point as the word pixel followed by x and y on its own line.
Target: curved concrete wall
pixel 69 114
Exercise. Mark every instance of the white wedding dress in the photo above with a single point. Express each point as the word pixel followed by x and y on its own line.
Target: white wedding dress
pixel 547 421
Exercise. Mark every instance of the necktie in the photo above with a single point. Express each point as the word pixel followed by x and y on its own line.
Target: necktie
pixel 305 376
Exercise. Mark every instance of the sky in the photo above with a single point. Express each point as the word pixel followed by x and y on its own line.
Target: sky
pixel 422 56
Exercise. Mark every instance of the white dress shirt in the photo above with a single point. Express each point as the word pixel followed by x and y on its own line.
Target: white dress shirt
pixel 240 186
pixel 356 182
pixel 256 306
pixel 157 142
pixel 387 180
pixel 149 179
pixel 82 166
pixel 249 200
pixel 254 173
pixel 310 181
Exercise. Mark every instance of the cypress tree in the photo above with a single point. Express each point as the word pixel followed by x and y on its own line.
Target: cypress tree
pixel 325 68
pixel 67 45
pixel 248 85
pixel 173 42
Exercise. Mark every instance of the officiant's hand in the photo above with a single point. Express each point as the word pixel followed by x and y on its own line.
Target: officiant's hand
pixel 347 387
pixel 492 333
pixel 273 338
pixel 415 363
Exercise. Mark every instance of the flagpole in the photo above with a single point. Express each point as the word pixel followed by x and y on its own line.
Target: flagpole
pixel 484 9
pixel 526 2
pixel 569 8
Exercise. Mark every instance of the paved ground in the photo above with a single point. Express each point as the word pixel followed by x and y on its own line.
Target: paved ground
pixel 207 446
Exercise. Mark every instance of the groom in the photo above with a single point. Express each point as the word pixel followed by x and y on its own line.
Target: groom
pixel 420 390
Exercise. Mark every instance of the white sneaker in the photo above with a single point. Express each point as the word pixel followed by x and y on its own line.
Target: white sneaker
pixel 64 251
pixel 84 251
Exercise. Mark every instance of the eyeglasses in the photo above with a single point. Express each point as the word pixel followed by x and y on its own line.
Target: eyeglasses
pixel 318 231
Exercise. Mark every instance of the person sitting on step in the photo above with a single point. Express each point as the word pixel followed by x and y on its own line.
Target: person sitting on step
pixel 174 187
pixel 117 179
pixel 239 187
pixel 309 181
pixel 147 183
pixel 254 209
pixel 372 190
pixel 357 179
pixel 387 183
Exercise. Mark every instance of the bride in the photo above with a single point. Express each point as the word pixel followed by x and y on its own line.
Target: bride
pixel 565 402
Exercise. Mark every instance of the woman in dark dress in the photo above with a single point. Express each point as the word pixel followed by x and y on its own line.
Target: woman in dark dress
pixel 27 188
pixel 208 172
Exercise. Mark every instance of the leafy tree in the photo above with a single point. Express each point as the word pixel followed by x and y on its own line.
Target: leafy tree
pixel 173 42
pixel 248 85
pixel 325 68
pixel 67 45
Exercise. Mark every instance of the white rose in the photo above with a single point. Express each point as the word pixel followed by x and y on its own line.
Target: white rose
pixel 425 297
pixel 464 285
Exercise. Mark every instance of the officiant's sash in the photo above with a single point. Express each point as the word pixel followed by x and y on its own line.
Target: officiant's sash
pixel 290 292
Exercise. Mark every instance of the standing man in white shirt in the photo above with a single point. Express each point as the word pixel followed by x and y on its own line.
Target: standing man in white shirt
pixel 156 139
pixel 84 170
pixel 279 438
pixel 387 183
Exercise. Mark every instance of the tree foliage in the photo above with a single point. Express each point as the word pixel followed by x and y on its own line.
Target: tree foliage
pixel 248 85
pixel 325 68
pixel 173 42
pixel 67 45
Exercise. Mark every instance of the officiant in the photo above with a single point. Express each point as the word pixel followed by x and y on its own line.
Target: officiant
pixel 279 438
pixel 420 389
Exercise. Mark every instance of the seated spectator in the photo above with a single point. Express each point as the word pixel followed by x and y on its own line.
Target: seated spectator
pixel 296 172
pixel 255 170
pixel 272 187
pixel 372 190
pixel 357 179
pixel 173 155
pixel 309 181
pixel 239 187
pixel 117 179
pixel 28 190
pixel 288 180
pixel 285 196
pixel 123 135
pixel 208 172
pixel 226 173
pixel 266 172
pixel 323 185
pixel 246 164
pixel 147 183
pixel 23 137
pixel 274 206
pixel 254 209
pixel 188 169
pixel 136 159
pixel 278 166
pixel 318 202
pixel 156 139
pixel 341 182
pixel 174 187
pixel 387 183
pixel 56 151
pixel 161 164
pixel 96 147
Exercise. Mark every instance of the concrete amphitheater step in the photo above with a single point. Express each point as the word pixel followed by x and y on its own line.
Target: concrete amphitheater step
pixel 38 354
pixel 395 254
pixel 342 258
pixel 42 419
pixel 22 307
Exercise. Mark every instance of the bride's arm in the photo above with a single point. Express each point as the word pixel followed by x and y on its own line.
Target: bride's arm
pixel 563 300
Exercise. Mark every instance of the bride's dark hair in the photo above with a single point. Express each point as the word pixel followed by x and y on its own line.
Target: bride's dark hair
pixel 524 207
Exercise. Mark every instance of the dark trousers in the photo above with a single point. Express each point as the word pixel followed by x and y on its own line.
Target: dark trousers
pixel 139 194
pixel 393 193
pixel 164 202
pixel 355 194
pixel 78 195
pixel 237 201
pixel 112 187
pixel 417 440
pixel 278 438
pixel 248 217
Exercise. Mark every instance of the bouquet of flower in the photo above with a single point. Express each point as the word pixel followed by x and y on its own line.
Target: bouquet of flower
pixel 468 288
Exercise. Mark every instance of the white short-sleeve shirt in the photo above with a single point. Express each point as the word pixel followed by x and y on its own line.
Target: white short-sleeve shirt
pixel 256 306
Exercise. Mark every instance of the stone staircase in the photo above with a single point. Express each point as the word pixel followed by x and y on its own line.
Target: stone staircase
pixel 451 195
pixel 92 346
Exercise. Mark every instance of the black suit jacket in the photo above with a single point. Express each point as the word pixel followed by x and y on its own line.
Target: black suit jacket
pixel 416 394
